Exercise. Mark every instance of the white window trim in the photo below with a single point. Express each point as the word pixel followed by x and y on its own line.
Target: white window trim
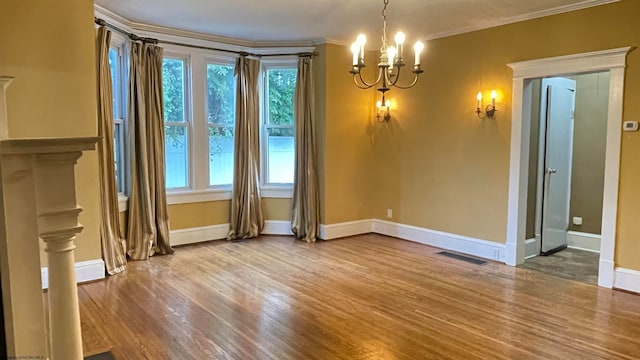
pixel 120 43
pixel 188 117
pixel 271 190
pixel 214 60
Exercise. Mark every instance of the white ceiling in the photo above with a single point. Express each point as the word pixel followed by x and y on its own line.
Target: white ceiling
pixel 336 20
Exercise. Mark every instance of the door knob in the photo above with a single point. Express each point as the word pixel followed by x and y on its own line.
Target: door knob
pixel 551 171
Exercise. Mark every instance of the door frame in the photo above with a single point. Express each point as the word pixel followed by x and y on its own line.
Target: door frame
pixel 612 60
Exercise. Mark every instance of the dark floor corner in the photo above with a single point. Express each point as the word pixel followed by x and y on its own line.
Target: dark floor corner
pixel 569 263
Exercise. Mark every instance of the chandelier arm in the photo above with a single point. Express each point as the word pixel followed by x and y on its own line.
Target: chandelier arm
pixel 415 80
pixel 364 84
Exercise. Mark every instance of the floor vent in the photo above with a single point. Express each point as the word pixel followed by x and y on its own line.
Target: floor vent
pixel 462 257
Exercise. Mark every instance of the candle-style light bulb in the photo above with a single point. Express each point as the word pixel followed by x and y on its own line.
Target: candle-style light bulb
pixel 361 40
pixel 355 49
pixel 387 104
pixel 391 54
pixel 400 38
pixel 479 97
pixel 417 48
pixel 379 104
pixel 493 98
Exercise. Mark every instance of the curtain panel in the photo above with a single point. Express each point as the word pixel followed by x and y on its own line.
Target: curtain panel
pixel 148 226
pixel 113 245
pixel 306 200
pixel 247 219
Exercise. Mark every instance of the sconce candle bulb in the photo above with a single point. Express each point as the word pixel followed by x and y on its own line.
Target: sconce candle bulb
pixel 490 110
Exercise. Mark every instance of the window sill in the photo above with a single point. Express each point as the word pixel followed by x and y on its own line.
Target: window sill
pixel 278 192
pixel 123 202
pixel 195 196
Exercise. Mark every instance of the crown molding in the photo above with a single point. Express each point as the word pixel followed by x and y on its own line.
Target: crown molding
pixel 201 39
pixel 519 18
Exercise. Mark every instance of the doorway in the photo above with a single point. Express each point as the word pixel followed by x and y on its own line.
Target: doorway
pixel 614 61
pixel 566 175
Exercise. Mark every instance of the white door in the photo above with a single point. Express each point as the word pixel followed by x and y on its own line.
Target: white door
pixel 558 101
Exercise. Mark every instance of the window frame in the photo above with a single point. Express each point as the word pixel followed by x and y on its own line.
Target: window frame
pixel 272 190
pixel 187 124
pixel 224 61
pixel 120 44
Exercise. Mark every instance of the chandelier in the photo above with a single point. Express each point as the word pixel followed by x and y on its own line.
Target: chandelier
pixel 391 61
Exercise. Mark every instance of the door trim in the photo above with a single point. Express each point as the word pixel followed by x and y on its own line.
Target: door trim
pixel 612 60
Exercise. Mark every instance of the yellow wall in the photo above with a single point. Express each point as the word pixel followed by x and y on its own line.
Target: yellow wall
pixel 347 150
pixel 184 216
pixel 48 46
pixel 439 167
pixel 589 145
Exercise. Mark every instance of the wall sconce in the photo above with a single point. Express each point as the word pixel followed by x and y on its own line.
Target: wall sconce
pixel 490 110
pixel 382 110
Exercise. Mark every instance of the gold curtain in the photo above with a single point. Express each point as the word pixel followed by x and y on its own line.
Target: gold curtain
pixel 113 245
pixel 247 220
pixel 148 230
pixel 306 199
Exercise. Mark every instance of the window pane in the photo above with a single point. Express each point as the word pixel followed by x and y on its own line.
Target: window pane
pixel 282 86
pixel 118 156
pixel 176 156
pixel 220 155
pixel 173 89
pixel 220 94
pixel 281 156
pixel 114 64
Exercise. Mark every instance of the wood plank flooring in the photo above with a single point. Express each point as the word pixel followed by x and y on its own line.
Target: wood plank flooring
pixel 365 297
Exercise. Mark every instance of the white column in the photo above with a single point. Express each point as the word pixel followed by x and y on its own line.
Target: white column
pixel 38 200
pixel 58 226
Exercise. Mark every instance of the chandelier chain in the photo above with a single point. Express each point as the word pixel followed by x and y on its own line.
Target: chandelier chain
pixel 384 25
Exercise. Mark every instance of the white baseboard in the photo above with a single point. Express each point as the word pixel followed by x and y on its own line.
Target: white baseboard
pixel 198 234
pixel 351 228
pixel 85 271
pixel 216 232
pixel 583 241
pixel 462 244
pixel 277 227
pixel 627 279
pixel 531 248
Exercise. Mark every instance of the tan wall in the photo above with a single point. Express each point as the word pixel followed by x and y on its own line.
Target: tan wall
pixel 589 145
pixel 48 46
pixel 347 150
pixel 446 170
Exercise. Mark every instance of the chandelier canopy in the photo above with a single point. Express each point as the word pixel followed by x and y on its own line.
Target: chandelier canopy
pixel 391 60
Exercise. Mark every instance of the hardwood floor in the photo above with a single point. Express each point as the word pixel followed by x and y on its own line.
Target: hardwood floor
pixel 366 297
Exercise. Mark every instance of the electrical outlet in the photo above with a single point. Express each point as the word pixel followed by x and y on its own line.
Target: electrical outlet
pixel 577 220
pixel 390 213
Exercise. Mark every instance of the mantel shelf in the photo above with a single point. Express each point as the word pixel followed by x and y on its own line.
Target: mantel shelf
pixel 46 145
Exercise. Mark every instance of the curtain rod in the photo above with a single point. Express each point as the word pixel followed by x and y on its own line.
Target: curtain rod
pixel 135 37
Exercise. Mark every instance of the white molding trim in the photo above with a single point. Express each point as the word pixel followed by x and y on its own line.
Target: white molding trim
pixel 351 228
pixel 627 279
pixel 462 244
pixel 201 39
pixel 531 248
pixel 614 61
pixel 277 227
pixel 123 202
pixel 583 241
pixel 200 234
pixel 85 271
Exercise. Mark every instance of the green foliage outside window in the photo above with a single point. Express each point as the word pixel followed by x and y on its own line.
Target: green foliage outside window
pixel 282 86
pixel 173 97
